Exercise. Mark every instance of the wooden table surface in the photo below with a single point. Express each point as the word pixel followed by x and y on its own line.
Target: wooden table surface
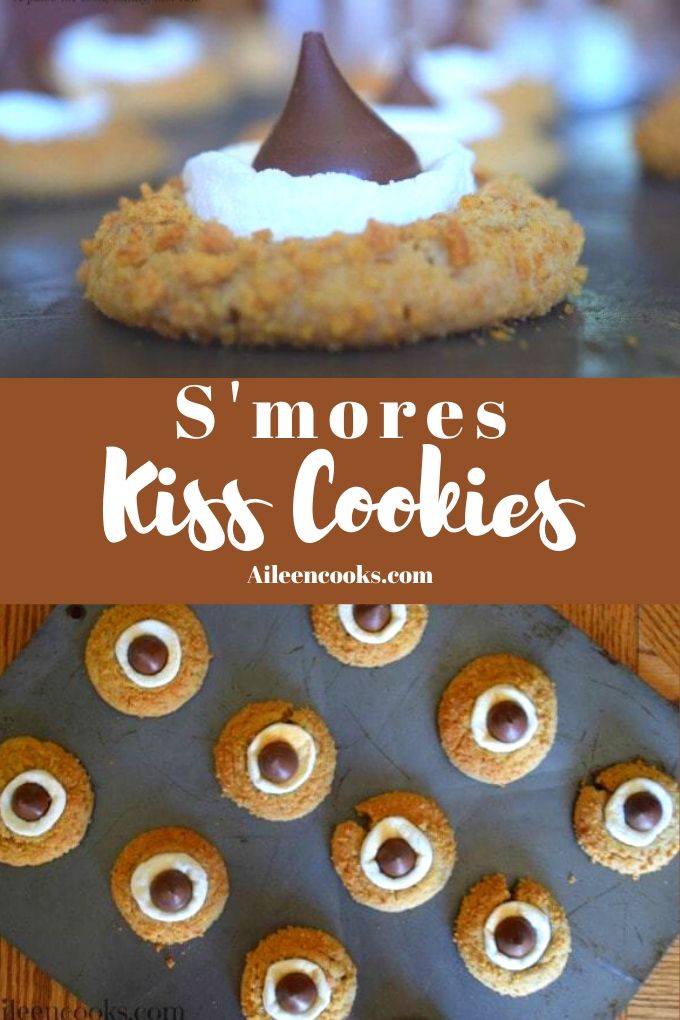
pixel 645 638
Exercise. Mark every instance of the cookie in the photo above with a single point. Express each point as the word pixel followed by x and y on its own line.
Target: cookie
pixel 626 818
pixel 515 941
pixel 46 801
pixel 523 150
pixel 118 156
pixel 503 253
pixel 303 969
pixel 275 760
pixel 147 660
pixel 526 99
pixel 498 718
pixel 398 856
pixel 366 635
pixel 170 885
pixel 657 136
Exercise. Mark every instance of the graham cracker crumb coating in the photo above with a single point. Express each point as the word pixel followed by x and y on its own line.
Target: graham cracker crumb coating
pixel 330 633
pixel 117 689
pixel 300 943
pixel 231 764
pixel 169 840
pixel 657 136
pixel 504 253
pixel 455 713
pixel 476 907
pixel 422 812
pixel 594 838
pixel 20 754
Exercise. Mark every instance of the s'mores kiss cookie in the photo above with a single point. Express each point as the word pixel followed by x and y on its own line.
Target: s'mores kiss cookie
pixel 170 885
pixel 147 660
pixel 298 972
pixel 626 818
pixel 368 635
pixel 46 801
pixel 515 941
pixel 498 718
pixel 398 856
pixel 275 760
pixel 335 232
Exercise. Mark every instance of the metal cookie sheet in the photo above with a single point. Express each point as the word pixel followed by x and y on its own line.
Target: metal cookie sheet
pixel 159 772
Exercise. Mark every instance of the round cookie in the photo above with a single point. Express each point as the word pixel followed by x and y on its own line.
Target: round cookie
pixel 503 253
pixel 494 764
pixel 319 953
pixel 187 657
pixel 377 845
pixel 305 784
pixel 477 908
pixel 657 136
pixel 332 633
pixel 209 884
pixel 596 839
pixel 519 149
pixel 60 812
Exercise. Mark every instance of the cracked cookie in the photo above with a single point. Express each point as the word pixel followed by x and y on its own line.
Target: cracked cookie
pixel 498 718
pixel 147 660
pixel 626 818
pixel 275 760
pixel 398 856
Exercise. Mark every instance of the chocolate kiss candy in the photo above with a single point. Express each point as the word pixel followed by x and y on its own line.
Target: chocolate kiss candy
pixel 642 811
pixel 171 890
pixel 278 761
pixel 405 90
pixel 507 721
pixel 296 993
pixel 515 937
pixel 372 618
pixel 31 801
pixel 147 654
pixel 326 128
pixel 396 858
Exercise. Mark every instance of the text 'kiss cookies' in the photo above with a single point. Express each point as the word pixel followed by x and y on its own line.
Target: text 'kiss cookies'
pixel 170 885
pixel 498 718
pixel 147 660
pixel 399 855
pixel 368 635
pixel 46 801
pixel 626 818
pixel 298 972
pixel 515 942
pixel 275 760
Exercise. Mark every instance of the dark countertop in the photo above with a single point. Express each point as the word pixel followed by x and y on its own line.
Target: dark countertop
pixel 633 251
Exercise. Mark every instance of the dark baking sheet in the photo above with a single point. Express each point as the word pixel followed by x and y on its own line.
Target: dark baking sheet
pixel 633 251
pixel 158 772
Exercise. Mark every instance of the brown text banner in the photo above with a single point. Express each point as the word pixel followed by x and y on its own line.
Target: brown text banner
pixel 270 490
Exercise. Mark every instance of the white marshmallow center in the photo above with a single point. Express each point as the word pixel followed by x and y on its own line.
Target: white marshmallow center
pixel 40 826
pixel 299 739
pixel 164 633
pixel 480 711
pixel 615 818
pixel 396 827
pixel 146 872
pixel 279 970
pixel 394 625
pixel 538 921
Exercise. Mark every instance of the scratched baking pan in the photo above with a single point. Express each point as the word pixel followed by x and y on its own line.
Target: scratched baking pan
pixel 627 322
pixel 158 772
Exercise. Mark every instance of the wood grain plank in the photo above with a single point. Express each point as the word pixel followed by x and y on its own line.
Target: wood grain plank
pixel 645 638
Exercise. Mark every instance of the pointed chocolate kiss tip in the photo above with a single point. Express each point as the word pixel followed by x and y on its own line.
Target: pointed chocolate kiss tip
pixel 326 128
pixel 406 90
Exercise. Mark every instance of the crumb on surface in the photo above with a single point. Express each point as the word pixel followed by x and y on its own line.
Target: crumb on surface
pixel 632 341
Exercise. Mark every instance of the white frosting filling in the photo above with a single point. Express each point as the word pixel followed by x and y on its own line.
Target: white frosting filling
pixel 615 819
pixel 480 711
pixel 277 971
pixel 467 120
pixel 85 53
pixel 299 739
pixel 538 921
pixel 144 874
pixel 170 639
pixel 457 71
pixel 396 624
pixel 36 117
pixel 42 825
pixel 396 828
pixel 223 186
